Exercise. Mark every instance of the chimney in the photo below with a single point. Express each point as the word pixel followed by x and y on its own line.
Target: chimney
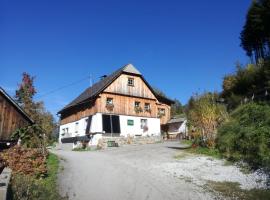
pixel 102 77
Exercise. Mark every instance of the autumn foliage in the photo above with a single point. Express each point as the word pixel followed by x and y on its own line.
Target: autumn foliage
pixel 27 161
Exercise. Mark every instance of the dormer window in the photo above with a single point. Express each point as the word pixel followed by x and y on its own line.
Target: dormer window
pixel 130 81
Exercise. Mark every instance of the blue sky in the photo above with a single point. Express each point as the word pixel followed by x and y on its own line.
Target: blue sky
pixel 181 47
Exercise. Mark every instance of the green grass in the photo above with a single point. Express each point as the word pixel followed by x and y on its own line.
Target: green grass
pixel 84 149
pixel 232 190
pixel 205 151
pixel 186 142
pixel 53 165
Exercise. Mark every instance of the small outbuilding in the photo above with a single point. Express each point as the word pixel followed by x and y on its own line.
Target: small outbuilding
pixel 177 127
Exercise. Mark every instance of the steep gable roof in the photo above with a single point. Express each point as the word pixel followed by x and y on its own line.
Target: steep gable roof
pixel 17 107
pixel 98 87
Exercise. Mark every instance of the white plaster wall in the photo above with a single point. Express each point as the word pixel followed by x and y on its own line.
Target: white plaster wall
pixel 96 126
pixel 152 123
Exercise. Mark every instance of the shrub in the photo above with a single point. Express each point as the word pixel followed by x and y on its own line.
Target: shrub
pixel 25 161
pixel 205 114
pixel 31 136
pixel 247 135
pixel 26 187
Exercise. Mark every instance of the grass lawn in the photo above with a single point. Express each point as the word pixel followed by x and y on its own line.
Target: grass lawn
pixel 24 187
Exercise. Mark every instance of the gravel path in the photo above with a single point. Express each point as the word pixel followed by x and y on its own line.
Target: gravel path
pixel 139 173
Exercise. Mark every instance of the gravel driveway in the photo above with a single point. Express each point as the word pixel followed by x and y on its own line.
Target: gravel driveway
pixel 139 172
pixel 129 172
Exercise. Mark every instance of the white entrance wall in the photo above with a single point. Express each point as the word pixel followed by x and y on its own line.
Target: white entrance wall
pixel 133 128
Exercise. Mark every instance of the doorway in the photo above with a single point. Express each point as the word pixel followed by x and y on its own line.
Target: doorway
pixel 111 124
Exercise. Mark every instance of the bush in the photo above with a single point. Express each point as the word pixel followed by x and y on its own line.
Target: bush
pixel 25 161
pixel 247 135
pixel 31 136
pixel 25 187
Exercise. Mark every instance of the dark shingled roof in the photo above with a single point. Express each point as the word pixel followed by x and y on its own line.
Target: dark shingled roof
pixel 98 87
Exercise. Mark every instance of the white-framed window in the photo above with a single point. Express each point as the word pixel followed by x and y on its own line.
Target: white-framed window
pixel 137 104
pixel 143 123
pixel 109 101
pixel 147 107
pixel 130 81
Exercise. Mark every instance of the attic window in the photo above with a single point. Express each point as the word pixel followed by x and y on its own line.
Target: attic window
pixel 130 81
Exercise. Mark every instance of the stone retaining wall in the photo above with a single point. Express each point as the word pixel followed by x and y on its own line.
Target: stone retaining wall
pixel 4 182
pixel 103 142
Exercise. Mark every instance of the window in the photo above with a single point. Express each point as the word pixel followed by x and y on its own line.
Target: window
pixel 67 131
pixel 161 112
pixel 76 127
pixel 109 101
pixel 130 122
pixel 137 104
pixel 147 106
pixel 143 123
pixel 63 132
pixel 130 81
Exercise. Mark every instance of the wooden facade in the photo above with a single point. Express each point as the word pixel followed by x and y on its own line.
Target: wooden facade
pixel 123 96
pixel 12 116
pixel 139 89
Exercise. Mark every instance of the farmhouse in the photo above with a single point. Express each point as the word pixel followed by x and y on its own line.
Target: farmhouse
pixel 12 116
pixel 120 104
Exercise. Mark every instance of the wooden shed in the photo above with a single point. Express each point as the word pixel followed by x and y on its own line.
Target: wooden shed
pixel 12 116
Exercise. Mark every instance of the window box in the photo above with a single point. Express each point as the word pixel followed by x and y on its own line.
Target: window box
pixel 109 107
pixel 138 109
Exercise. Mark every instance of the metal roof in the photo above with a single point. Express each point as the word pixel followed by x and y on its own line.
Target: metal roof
pixel 2 91
pixel 176 120
pixel 98 87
